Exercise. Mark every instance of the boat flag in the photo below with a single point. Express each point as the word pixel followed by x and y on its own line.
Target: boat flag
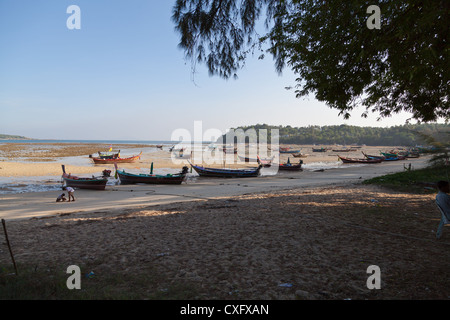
pixel 151 169
pixel 110 147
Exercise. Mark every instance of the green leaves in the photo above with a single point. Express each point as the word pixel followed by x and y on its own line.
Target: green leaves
pixel 402 66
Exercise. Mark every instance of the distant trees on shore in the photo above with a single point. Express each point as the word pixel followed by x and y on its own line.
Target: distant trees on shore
pixel 12 137
pixel 405 135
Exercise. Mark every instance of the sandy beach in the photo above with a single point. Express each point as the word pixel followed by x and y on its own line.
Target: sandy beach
pixel 307 235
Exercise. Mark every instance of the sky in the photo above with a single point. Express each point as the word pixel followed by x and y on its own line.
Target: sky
pixel 122 76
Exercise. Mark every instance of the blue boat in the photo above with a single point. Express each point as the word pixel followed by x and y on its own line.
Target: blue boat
pixel 226 173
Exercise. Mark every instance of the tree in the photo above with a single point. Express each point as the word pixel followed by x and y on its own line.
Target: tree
pixel 401 66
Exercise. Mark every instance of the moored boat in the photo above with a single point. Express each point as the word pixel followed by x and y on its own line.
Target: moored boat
pixel 291 167
pixel 373 157
pixel 227 173
pixel 289 151
pixel 357 160
pixel 116 160
pixel 266 162
pixel 131 178
pixel 95 183
pixel 343 150
pixel 393 156
pixel 299 155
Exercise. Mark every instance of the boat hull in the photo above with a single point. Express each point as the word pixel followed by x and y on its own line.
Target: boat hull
pixel 289 151
pixel 129 178
pixel 86 183
pixel 116 160
pixel 83 183
pixel 226 173
pixel 293 167
pixel 354 160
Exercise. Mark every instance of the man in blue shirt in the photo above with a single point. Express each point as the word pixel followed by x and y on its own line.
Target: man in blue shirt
pixel 443 201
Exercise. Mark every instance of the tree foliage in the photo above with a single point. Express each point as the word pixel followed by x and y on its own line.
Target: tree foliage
pixel 403 66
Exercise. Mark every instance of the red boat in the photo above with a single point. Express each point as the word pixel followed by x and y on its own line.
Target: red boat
pixel 117 160
pixel 356 160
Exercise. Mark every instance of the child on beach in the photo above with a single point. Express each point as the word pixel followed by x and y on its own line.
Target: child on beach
pixel 69 193
pixel 61 197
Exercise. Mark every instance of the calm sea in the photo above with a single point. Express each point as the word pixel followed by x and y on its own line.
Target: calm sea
pixel 93 141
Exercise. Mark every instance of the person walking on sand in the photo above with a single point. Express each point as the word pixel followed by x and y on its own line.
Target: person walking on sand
pixel 69 193
pixel 443 201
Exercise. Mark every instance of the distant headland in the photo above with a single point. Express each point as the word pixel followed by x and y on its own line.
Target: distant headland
pixel 13 137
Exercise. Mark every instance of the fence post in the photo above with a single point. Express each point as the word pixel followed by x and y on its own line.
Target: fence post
pixel 9 246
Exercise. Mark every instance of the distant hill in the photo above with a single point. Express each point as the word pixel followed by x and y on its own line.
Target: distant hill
pixel 12 137
pixel 405 135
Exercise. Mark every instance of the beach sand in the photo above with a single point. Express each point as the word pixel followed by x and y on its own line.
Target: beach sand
pixel 319 242
pixel 285 237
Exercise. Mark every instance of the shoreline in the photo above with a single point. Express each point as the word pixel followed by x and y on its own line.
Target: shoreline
pixel 37 204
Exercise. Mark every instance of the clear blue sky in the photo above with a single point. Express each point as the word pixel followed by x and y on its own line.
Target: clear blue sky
pixel 122 76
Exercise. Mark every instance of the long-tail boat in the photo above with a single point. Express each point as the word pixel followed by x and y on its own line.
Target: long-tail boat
pixel 299 155
pixel 393 156
pixel 107 155
pixel 266 162
pixel 96 183
pixel 385 158
pixel 319 149
pixel 289 151
pixel 226 173
pixel 343 150
pixel 356 160
pixel 117 160
pixel 373 157
pixel 229 150
pixel 131 178
pixel 291 167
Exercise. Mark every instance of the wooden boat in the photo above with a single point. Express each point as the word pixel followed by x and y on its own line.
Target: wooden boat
pixel 356 160
pixel 373 157
pixel 117 160
pixel 227 173
pixel 343 150
pixel 230 150
pixel 393 156
pixel 98 183
pixel 131 178
pixel 319 149
pixel 107 155
pixel 267 162
pixel 181 155
pixel 299 155
pixel 289 151
pixel 291 167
